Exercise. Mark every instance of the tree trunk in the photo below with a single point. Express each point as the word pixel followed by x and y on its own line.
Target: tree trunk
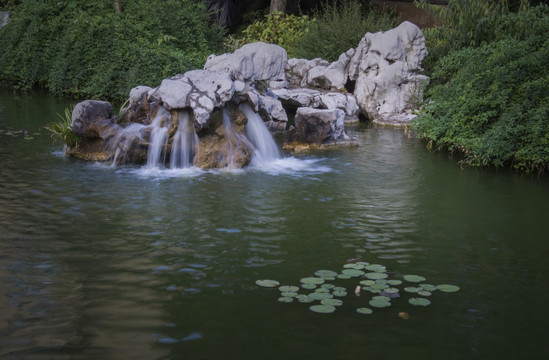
pixel 278 5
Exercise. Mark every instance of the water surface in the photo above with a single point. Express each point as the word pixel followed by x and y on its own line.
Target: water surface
pixel 101 262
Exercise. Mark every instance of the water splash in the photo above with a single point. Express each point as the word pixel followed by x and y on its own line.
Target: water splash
pixel 266 150
pixel 184 142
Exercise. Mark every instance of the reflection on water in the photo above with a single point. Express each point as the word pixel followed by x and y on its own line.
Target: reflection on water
pixel 120 262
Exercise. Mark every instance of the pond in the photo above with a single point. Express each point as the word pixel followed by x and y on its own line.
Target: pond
pixel 101 262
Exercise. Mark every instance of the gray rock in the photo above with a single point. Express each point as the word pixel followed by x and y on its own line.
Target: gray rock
pixel 252 62
pixel 319 127
pixel 91 117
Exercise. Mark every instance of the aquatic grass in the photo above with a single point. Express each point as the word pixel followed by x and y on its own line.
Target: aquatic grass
pixel 62 128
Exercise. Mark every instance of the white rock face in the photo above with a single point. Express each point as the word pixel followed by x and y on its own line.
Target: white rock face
pixel 321 100
pixel 252 62
pixel 386 67
pixel 201 90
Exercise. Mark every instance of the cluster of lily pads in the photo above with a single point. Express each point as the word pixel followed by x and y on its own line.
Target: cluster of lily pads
pixel 15 133
pixel 369 278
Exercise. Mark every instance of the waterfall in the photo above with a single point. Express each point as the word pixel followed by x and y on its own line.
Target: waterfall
pixel 184 142
pixel 266 150
pixel 158 139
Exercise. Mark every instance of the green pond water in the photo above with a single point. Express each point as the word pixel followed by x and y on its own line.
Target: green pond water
pixel 101 262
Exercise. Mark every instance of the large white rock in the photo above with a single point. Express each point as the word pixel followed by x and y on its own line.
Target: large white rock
pixel 200 90
pixel 320 127
pixel 386 67
pixel 252 62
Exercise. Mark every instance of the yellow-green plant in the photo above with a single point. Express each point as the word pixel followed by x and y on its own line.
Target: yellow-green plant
pixel 62 129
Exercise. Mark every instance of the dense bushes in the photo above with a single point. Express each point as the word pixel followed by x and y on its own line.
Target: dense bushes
pixel 490 102
pixel 339 26
pixel 86 49
pixel 334 28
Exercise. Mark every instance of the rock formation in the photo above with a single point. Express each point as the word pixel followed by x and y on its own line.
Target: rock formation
pixel 200 118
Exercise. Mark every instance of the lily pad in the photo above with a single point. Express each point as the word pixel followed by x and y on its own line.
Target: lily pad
pixel 382 298
pixel 322 309
pixel 448 288
pixel 303 298
pixel 325 273
pixel 322 290
pixel 353 272
pixel 339 288
pixel 320 296
pixel 379 303
pixel 364 310
pixel 286 299
pixel 391 290
pixel 308 286
pixel 419 301
pixel 353 266
pixel 288 294
pixel 379 286
pixel 267 283
pixel 339 293
pixel 332 302
pixel 367 282
pixel 289 288
pixel 424 293
pixel 343 276
pixel 414 278
pixel 376 275
pixel 427 287
pixel 411 289
pixel 327 286
pixel 394 282
pixel 312 280
pixel 376 268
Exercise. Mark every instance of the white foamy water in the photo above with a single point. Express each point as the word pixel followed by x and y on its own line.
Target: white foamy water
pixel 266 150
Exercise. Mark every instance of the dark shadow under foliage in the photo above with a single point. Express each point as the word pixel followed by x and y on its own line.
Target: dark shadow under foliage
pixel 86 49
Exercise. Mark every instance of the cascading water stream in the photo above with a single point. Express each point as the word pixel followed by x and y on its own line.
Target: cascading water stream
pixel 184 142
pixel 266 150
pixel 158 139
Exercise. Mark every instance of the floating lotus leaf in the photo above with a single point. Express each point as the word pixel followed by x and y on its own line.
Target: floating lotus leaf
pixel 373 291
pixel 320 296
pixel 424 293
pixel 391 290
pixel 362 263
pixel 419 301
pixel 339 293
pixel 288 294
pixel 414 278
pixel 329 278
pixel 325 273
pixel 303 298
pixel 353 272
pixel 343 276
pixel 382 298
pixel 322 290
pixel 323 309
pixel 308 286
pixel 267 283
pixel 289 288
pixel 312 280
pixel 367 282
pixel 427 287
pixel 394 282
pixel 286 299
pixel 339 288
pixel 379 303
pixel 411 289
pixel 376 268
pixel 364 310
pixel 380 286
pixel 331 302
pixel 376 275
pixel 390 294
pixel 353 266
pixel 381 281
pixel 448 288
pixel 327 286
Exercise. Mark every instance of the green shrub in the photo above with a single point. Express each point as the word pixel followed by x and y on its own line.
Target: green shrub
pixel 339 26
pixel 491 104
pixel 86 49
pixel 62 129
pixel 276 28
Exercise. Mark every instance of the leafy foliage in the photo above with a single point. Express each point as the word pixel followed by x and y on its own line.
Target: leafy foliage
pixel 339 26
pixel 491 103
pixel 275 28
pixel 62 129
pixel 85 48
